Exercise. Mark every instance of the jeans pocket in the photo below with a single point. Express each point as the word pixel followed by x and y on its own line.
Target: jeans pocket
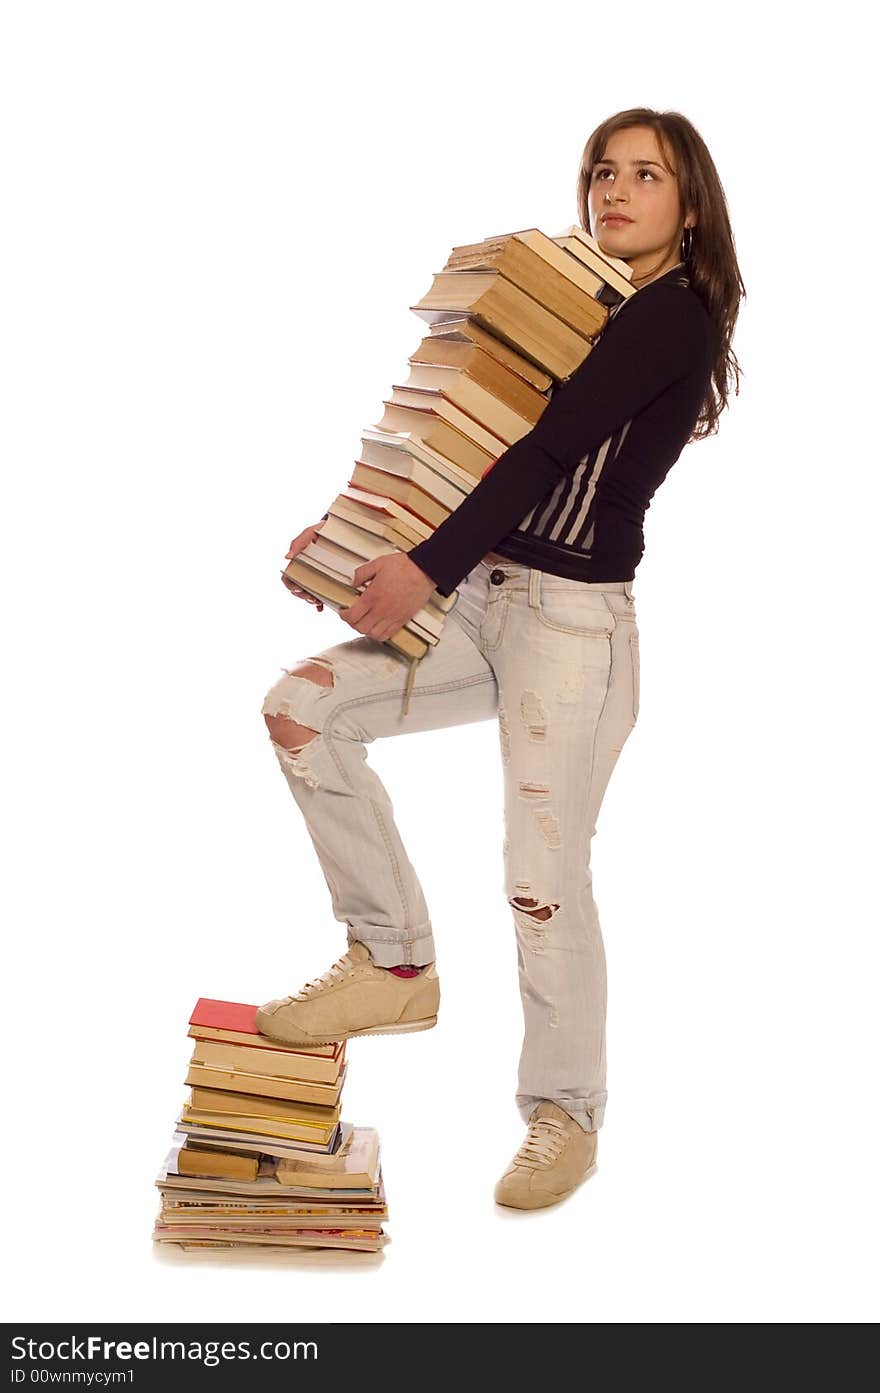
pixel 636 671
pixel 492 627
pixel 575 612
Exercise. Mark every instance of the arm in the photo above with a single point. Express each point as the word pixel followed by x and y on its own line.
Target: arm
pixel 654 340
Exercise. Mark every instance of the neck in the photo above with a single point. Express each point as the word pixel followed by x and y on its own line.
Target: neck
pixel 669 265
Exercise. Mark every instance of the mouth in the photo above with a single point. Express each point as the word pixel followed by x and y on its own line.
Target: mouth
pixel 615 220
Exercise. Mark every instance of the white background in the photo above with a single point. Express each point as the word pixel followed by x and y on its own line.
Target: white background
pixel 216 217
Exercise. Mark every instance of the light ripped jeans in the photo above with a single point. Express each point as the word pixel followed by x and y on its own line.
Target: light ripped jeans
pixel 556 661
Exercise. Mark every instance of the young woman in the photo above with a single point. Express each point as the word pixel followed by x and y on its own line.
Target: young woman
pixel 542 637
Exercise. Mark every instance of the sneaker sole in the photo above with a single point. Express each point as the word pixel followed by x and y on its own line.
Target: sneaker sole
pixel 402 1029
pixel 527 1208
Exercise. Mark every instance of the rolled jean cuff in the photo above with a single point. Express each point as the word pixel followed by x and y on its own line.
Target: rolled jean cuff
pixel 414 949
pixel 590 1116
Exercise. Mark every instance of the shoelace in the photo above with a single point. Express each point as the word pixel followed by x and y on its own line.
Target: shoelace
pixel 545 1139
pixel 333 974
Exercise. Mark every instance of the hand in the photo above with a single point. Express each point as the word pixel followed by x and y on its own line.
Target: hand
pixel 298 544
pixel 397 588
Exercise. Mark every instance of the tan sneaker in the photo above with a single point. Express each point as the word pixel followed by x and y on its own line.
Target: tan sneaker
pixel 556 1156
pixel 354 997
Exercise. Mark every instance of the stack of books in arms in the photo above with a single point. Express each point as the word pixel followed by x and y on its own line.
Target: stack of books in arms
pixel 261 1156
pixel 509 318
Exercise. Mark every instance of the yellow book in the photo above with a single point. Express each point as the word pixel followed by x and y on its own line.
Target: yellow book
pixel 225 1164
pixel 251 1105
pixel 265 1086
pixel 216 1054
pixel 260 1126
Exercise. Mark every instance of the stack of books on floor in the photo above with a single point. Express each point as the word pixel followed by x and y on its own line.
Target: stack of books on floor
pixel 509 319
pixel 261 1156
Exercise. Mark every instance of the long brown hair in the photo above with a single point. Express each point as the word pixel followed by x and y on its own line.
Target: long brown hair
pixel 711 260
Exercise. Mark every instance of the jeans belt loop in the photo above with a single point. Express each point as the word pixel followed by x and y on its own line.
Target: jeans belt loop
pixel 535 587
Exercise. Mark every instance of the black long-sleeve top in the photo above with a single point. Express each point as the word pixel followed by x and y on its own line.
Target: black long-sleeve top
pixel 570 496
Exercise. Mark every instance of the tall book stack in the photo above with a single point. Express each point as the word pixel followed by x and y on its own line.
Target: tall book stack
pixel 509 319
pixel 261 1157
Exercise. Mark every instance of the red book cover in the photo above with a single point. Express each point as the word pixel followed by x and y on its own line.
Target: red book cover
pixel 239 1016
pixel 225 1015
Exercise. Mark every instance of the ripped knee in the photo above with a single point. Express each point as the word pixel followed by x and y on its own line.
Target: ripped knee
pixel 539 912
pixel 293 736
pixel 283 729
pixel 316 670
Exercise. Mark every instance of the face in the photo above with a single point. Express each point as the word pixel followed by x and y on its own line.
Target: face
pixel 646 194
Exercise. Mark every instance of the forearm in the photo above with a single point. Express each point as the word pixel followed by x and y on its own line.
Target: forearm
pixel 518 479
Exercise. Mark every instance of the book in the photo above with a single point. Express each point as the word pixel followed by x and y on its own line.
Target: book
pixel 390 485
pixel 437 433
pixel 340 564
pixel 511 314
pixel 532 261
pixel 340 596
pixel 233 1192
pixel 376 445
pixel 357 538
pixel 473 426
pixel 357 1164
pixel 378 520
pixel 452 394
pixel 292 1129
pixel 437 362
pixel 183 1193
pixel 393 450
pixel 616 273
pixel 279 1218
pixel 381 507
pixel 261 1158
pixel 497 251
pixel 199 1161
pixel 460 329
pixel 216 1134
pixel 265 1085
pixel 385 459
pixel 234 1022
pixel 206 1098
pixel 362 545
pixel 367 1240
pixel 352 1168
pixel 289 1064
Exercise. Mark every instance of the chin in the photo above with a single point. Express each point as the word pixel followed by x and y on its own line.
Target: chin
pixel 611 250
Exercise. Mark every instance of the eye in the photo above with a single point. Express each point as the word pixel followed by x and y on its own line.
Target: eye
pixel 643 170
